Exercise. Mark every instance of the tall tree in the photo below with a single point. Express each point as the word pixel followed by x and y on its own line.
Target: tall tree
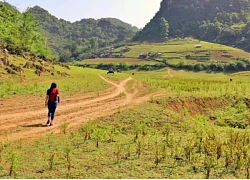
pixel 94 43
pixel 163 30
pixel 65 56
pixel 27 30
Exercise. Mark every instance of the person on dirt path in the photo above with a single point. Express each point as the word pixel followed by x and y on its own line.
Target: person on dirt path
pixel 52 100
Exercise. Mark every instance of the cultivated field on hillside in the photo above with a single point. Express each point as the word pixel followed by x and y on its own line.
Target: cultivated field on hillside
pixel 178 53
pixel 182 47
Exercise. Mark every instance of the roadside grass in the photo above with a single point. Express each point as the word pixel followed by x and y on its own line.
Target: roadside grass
pixel 79 79
pixel 149 141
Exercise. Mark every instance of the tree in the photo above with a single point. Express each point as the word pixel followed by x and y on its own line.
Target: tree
pixel 19 32
pixel 65 56
pixel 221 21
pixel 94 43
pixel 27 30
pixel 163 30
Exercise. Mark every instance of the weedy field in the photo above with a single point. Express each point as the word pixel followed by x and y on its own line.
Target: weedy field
pixel 162 124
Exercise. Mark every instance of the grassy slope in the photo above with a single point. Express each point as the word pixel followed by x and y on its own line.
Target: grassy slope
pixel 178 47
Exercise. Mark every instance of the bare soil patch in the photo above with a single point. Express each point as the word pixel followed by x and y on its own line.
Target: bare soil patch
pixel 196 106
pixel 25 117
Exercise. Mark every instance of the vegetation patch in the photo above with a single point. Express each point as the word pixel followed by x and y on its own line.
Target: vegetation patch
pixel 149 141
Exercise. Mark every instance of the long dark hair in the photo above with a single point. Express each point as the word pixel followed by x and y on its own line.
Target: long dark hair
pixel 53 85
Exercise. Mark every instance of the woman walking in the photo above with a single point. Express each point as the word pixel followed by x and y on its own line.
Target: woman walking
pixel 52 99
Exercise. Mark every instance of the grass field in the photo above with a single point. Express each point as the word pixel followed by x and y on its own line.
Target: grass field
pixel 181 48
pixel 117 61
pixel 193 125
pixel 188 133
pixel 80 79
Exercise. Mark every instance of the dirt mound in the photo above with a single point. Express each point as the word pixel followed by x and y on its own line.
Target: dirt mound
pixel 196 106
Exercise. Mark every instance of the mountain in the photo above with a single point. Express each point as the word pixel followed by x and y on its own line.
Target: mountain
pixel 82 36
pixel 221 21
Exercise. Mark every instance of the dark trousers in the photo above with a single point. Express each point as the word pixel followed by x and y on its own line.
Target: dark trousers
pixel 52 109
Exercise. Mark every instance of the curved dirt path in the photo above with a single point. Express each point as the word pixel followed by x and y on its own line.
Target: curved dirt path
pixel 24 120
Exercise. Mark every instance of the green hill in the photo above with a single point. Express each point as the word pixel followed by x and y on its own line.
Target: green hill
pixel 224 21
pixel 81 36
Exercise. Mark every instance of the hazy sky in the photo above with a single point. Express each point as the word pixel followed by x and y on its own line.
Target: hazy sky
pixel 134 12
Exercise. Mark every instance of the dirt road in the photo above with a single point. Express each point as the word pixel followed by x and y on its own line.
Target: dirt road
pixel 25 117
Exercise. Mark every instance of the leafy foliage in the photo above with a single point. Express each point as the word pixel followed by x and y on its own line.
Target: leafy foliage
pixel 19 32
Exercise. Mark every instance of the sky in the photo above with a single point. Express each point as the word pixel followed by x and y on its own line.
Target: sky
pixel 135 12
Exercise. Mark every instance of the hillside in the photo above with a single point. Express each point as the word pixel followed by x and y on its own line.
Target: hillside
pixel 82 36
pixel 178 53
pixel 224 21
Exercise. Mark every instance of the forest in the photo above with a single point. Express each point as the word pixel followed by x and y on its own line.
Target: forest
pixel 225 21
pixel 77 40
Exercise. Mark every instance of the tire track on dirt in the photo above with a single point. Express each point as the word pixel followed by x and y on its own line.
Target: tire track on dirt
pixel 34 114
pixel 92 108
pixel 34 103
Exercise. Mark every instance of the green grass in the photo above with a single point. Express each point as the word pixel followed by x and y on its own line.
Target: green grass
pixel 116 61
pixel 179 48
pixel 86 79
pixel 80 79
pixel 162 135
pixel 174 51
pixel 196 84
pixel 149 141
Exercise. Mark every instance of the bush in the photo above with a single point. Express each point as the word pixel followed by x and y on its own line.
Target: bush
pixel 198 67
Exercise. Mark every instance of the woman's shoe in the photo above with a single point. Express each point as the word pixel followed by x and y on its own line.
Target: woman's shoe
pixel 48 122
